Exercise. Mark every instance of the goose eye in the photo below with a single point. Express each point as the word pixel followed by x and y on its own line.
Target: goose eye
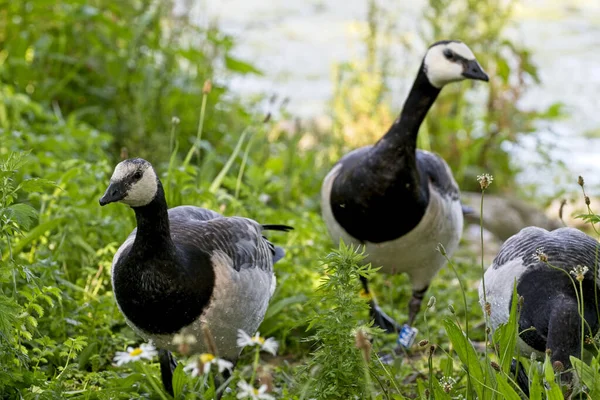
pixel 448 54
pixel 137 175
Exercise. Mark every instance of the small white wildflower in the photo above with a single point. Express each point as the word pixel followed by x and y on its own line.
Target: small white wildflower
pixel 485 180
pixel 246 390
pixel 579 272
pixel 447 383
pixel 146 350
pixel 269 345
pixel 204 362
pixel 175 120
pixel 264 198
pixel 540 255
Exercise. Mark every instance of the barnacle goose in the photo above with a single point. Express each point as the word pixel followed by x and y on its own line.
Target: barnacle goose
pixel 397 201
pixel 188 267
pixel 549 300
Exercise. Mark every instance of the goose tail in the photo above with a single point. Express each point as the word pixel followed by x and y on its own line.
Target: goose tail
pixel 278 252
pixel 275 227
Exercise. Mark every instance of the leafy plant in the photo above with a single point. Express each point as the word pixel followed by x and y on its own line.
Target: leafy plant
pixel 336 359
pixel 123 67
pixel 20 306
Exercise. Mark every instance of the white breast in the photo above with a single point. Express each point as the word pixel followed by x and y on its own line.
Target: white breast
pixel 499 284
pixel 414 253
pixel 239 301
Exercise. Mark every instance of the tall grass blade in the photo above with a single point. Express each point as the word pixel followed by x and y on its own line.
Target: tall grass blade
pixel 216 183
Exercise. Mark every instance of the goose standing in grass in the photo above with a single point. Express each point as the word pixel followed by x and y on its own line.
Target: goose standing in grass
pixel 546 266
pixel 188 267
pixel 397 201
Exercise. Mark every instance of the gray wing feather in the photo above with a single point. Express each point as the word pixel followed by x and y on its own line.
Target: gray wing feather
pixel 439 173
pixel 565 248
pixel 193 213
pixel 239 238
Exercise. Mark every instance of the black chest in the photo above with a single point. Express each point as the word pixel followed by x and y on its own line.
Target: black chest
pixel 377 216
pixel 163 295
pixel 378 205
pixel 544 289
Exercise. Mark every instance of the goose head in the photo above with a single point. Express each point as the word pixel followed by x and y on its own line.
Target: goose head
pixel 451 61
pixel 133 182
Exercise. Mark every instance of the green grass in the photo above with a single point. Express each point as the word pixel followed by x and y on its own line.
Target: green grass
pixel 69 105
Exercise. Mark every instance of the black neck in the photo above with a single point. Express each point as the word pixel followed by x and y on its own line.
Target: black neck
pixel 153 231
pixel 402 135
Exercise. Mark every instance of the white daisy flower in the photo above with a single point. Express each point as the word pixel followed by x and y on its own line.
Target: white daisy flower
pixel 205 362
pixel 146 350
pixel 246 390
pixel 269 345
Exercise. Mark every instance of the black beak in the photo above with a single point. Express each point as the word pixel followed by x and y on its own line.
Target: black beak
pixel 115 192
pixel 473 70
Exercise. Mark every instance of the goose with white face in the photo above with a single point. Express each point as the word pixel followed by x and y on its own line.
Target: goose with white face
pixel 133 182
pixel 451 61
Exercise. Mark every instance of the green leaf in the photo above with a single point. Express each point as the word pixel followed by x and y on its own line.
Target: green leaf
pixel 535 385
pixel 33 235
pixel 589 218
pixel 35 184
pixel 23 214
pixel 236 65
pixel 508 392
pixel 589 375
pixel 553 391
pixel 179 380
pixel 467 355
pixel 275 308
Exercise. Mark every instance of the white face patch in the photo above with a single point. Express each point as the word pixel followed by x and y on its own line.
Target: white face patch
pixel 439 69
pixel 461 49
pixel 142 191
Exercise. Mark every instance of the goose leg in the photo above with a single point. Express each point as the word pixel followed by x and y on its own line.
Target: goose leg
pixel 414 305
pixel 167 366
pixel 380 318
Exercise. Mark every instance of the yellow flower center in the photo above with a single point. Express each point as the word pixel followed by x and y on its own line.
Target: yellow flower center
pixel 136 352
pixel 261 340
pixel 255 391
pixel 206 358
